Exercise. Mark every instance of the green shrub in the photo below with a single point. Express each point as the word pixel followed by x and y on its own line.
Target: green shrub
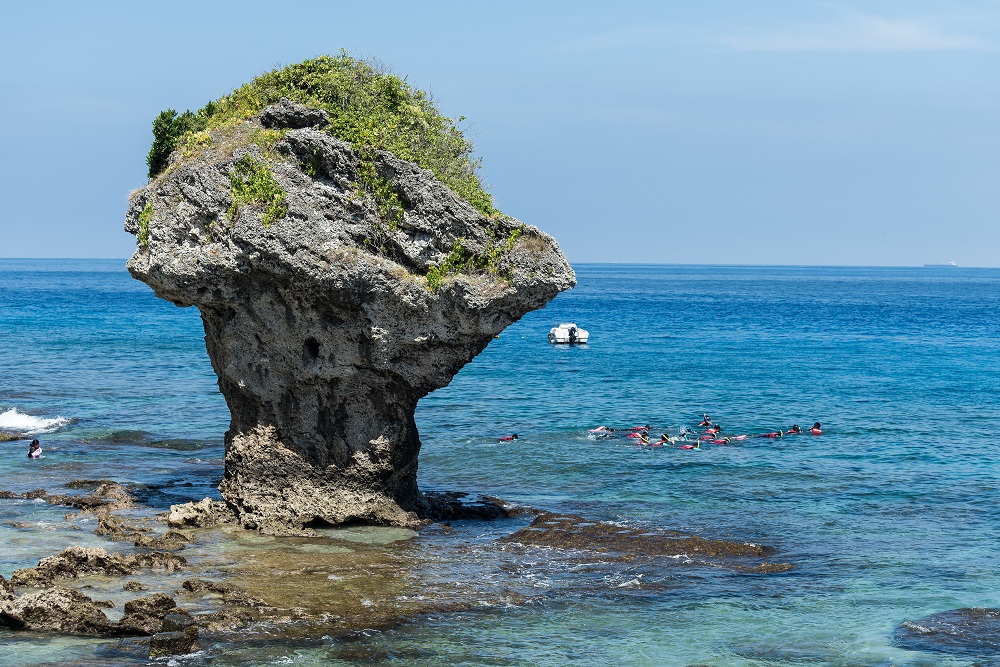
pixel 168 128
pixel 369 107
pixel 253 183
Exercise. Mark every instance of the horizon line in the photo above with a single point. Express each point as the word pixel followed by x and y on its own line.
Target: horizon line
pixel 612 263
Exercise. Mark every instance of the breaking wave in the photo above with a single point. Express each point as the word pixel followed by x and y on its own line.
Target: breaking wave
pixel 18 422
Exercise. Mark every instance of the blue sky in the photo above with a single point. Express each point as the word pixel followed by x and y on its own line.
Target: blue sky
pixel 729 132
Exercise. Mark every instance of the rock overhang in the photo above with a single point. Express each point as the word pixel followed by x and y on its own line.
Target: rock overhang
pixel 325 326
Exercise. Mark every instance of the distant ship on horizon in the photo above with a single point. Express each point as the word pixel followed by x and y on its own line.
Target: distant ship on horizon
pixel 941 266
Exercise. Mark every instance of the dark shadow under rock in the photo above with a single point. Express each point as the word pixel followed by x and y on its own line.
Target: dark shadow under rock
pixel 455 506
pixel 567 531
pixel 972 633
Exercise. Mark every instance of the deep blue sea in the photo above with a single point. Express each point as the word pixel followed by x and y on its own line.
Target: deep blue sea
pixel 890 515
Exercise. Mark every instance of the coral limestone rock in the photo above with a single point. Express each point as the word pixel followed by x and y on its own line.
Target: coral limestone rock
pixel 55 609
pixel 328 321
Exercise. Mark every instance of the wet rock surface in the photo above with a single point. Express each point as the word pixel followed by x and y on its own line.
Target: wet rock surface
pixel 74 562
pixel 230 594
pixel 970 633
pixel 321 326
pixel 144 616
pixel 568 531
pixel 105 495
pixel 164 644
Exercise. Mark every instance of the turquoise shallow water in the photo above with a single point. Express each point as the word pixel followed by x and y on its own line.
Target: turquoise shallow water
pixel 891 514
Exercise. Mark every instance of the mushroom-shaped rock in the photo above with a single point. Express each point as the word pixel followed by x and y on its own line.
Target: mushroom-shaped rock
pixel 328 319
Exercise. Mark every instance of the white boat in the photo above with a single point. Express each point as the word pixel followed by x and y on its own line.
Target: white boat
pixel 568 333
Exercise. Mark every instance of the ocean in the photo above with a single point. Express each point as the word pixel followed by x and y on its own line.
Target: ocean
pixel 889 516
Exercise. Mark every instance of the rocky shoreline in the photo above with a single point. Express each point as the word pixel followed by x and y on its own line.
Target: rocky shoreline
pixel 233 585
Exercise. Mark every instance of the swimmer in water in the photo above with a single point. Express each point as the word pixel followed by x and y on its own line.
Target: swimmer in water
pixel 816 430
pixel 34 450
pixel 706 421
pixel 794 430
pixel 507 438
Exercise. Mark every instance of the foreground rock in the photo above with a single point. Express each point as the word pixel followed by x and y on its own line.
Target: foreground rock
pixel 55 610
pixel 322 326
pixel 74 562
pixel 144 616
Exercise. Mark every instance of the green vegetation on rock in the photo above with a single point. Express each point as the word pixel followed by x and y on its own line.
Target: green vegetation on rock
pixel 168 128
pixel 144 217
pixel 253 183
pixel 368 107
pixel 460 260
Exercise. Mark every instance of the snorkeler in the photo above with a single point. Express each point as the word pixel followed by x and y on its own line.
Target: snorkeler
pixel 794 430
pixel 507 438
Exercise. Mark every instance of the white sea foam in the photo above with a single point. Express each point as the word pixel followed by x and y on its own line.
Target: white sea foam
pixel 18 422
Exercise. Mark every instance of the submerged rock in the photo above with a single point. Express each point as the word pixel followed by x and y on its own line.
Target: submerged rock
pixel 105 495
pixel 568 531
pixel 327 325
pixel 164 644
pixel 971 633
pixel 233 595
